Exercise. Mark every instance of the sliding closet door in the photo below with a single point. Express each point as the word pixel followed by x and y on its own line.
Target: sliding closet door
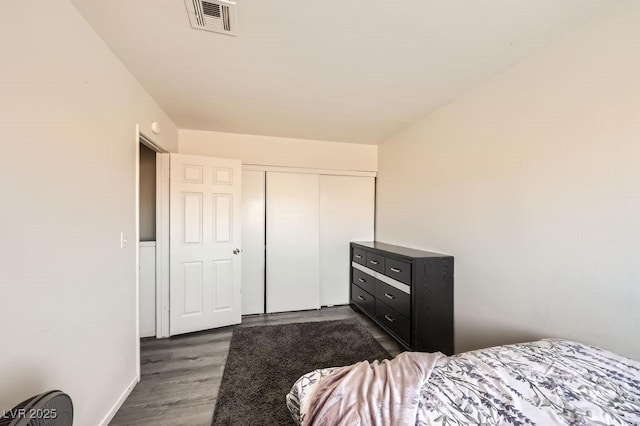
pixel 252 242
pixel 293 258
pixel 346 214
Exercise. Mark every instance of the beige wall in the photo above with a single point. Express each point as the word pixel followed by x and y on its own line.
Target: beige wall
pixel 276 151
pixel 147 194
pixel 532 182
pixel 68 112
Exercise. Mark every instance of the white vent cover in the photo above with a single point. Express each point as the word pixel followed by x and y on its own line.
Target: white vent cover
pixel 218 16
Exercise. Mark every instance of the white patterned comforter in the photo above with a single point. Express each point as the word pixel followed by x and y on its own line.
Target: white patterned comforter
pixel 548 382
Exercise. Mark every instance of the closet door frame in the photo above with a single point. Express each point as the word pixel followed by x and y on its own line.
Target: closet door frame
pixel 320 172
pixel 264 168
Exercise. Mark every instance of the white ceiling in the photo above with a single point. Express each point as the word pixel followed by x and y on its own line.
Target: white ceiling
pixel 339 70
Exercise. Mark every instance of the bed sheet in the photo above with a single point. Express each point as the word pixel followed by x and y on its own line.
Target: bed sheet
pixel 551 381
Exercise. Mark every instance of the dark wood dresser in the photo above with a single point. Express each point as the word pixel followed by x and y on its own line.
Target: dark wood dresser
pixel 408 292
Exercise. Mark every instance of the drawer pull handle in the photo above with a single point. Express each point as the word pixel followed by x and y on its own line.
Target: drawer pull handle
pixel 362 280
pixel 361 298
pixel 373 262
pixel 390 319
pixel 390 296
pixel 358 256
pixel 396 270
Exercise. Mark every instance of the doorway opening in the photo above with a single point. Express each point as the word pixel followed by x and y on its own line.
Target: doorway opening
pixel 150 239
pixel 147 243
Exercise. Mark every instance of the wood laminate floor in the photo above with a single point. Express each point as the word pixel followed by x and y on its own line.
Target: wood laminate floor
pixel 180 376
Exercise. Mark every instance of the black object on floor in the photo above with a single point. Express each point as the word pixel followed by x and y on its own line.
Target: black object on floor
pixel 265 361
pixel 53 408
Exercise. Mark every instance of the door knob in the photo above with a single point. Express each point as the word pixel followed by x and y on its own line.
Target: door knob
pixel 236 251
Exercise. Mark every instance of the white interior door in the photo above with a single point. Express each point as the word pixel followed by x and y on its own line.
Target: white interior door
pixel 253 199
pixel 347 206
pixel 205 217
pixel 293 265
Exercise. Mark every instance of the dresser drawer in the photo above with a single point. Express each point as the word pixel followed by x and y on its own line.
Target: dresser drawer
pixel 398 270
pixel 363 299
pixel 375 262
pixel 359 256
pixel 394 298
pixel 394 321
pixel 364 281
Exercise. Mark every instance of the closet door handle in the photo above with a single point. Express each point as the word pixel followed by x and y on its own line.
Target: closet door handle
pixel 396 270
pixel 390 296
pixel 373 262
pixel 361 298
pixel 390 319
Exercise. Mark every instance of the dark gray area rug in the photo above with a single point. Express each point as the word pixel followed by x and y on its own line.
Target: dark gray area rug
pixel 265 361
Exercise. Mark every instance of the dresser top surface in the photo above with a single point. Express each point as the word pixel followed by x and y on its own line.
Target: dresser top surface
pixel 402 251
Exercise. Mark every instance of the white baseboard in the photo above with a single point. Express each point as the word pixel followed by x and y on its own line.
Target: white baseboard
pixel 116 406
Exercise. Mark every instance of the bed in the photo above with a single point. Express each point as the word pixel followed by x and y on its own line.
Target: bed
pixel 551 381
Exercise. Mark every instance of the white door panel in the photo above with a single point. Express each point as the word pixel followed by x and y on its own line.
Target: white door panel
pixel 253 198
pixel 346 214
pixel 292 242
pixel 205 223
pixel 147 288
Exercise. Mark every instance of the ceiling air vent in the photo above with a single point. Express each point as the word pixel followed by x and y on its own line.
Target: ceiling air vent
pixel 218 16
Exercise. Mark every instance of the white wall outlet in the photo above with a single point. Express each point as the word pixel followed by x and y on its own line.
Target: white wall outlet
pixel 123 241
